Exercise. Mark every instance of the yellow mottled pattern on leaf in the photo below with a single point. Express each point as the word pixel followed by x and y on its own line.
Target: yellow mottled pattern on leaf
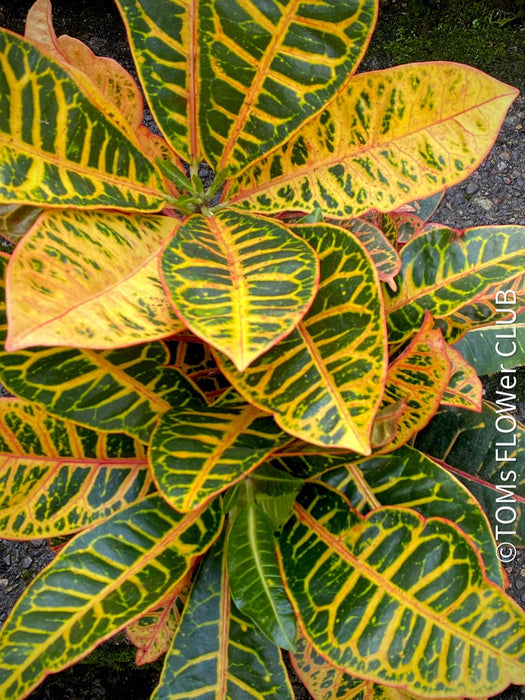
pixel 326 682
pixel 57 478
pixel 89 279
pixel 264 68
pixel 465 389
pixel 239 282
pixel 390 137
pixel 163 41
pixel 407 601
pixel 418 378
pixel 325 380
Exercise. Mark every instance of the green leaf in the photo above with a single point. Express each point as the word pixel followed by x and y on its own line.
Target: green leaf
pixel 409 478
pixel 100 582
pixel 443 272
pixel 406 601
pixel 57 477
pixel 255 580
pixel 116 390
pixel 389 137
pixel 240 282
pixel 485 451
pixel 217 651
pixel 197 453
pixel 275 492
pixel 478 346
pixel 57 148
pixel 265 68
pixel 324 381
pixel 90 280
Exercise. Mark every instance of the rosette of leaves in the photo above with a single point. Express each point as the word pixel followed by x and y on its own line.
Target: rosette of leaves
pixel 216 393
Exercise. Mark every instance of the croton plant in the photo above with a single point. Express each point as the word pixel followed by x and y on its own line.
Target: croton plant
pixel 221 396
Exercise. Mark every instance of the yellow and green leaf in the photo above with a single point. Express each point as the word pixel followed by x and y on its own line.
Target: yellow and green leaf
pixel 411 479
pixel 217 651
pixel 389 137
pixel 118 390
pixel 419 378
pixel 90 280
pixel 57 148
pixel 135 556
pixel 407 601
pixel 196 453
pixel 256 585
pixel 266 68
pixel 326 682
pixel 324 381
pixel 16 220
pixel 163 40
pixel 239 282
pixel 57 478
pixel 464 388
pixel 487 461
pixel 445 273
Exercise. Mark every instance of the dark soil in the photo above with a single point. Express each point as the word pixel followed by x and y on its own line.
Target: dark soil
pixel 485 33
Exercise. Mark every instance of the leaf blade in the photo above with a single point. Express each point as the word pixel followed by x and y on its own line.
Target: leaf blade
pixel 381 160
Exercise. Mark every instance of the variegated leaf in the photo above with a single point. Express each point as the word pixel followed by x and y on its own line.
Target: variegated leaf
pixel 197 453
pixel 389 137
pixel 57 148
pixel 89 279
pixel 406 601
pixel 419 378
pixel 411 479
pixel 217 651
pixel 266 68
pixel 485 451
pixel 464 389
pixel 57 478
pixel 443 272
pixel 382 252
pixel 100 582
pixel 163 39
pixel 194 358
pixel 324 381
pixel 256 585
pixel 326 682
pixel 239 282
pixel 153 632
pixel 108 84
pixel 118 390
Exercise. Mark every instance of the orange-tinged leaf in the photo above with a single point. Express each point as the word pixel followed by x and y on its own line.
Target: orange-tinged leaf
pixel 108 84
pixel 239 282
pixel 57 478
pixel 389 137
pixel 153 632
pixel 89 279
pixel 418 378
pixel 406 601
pixel 326 682
pixel 464 389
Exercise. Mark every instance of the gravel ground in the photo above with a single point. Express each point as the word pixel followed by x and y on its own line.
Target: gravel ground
pixel 494 194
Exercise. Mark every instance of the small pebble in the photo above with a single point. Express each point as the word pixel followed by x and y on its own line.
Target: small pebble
pixel 26 562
